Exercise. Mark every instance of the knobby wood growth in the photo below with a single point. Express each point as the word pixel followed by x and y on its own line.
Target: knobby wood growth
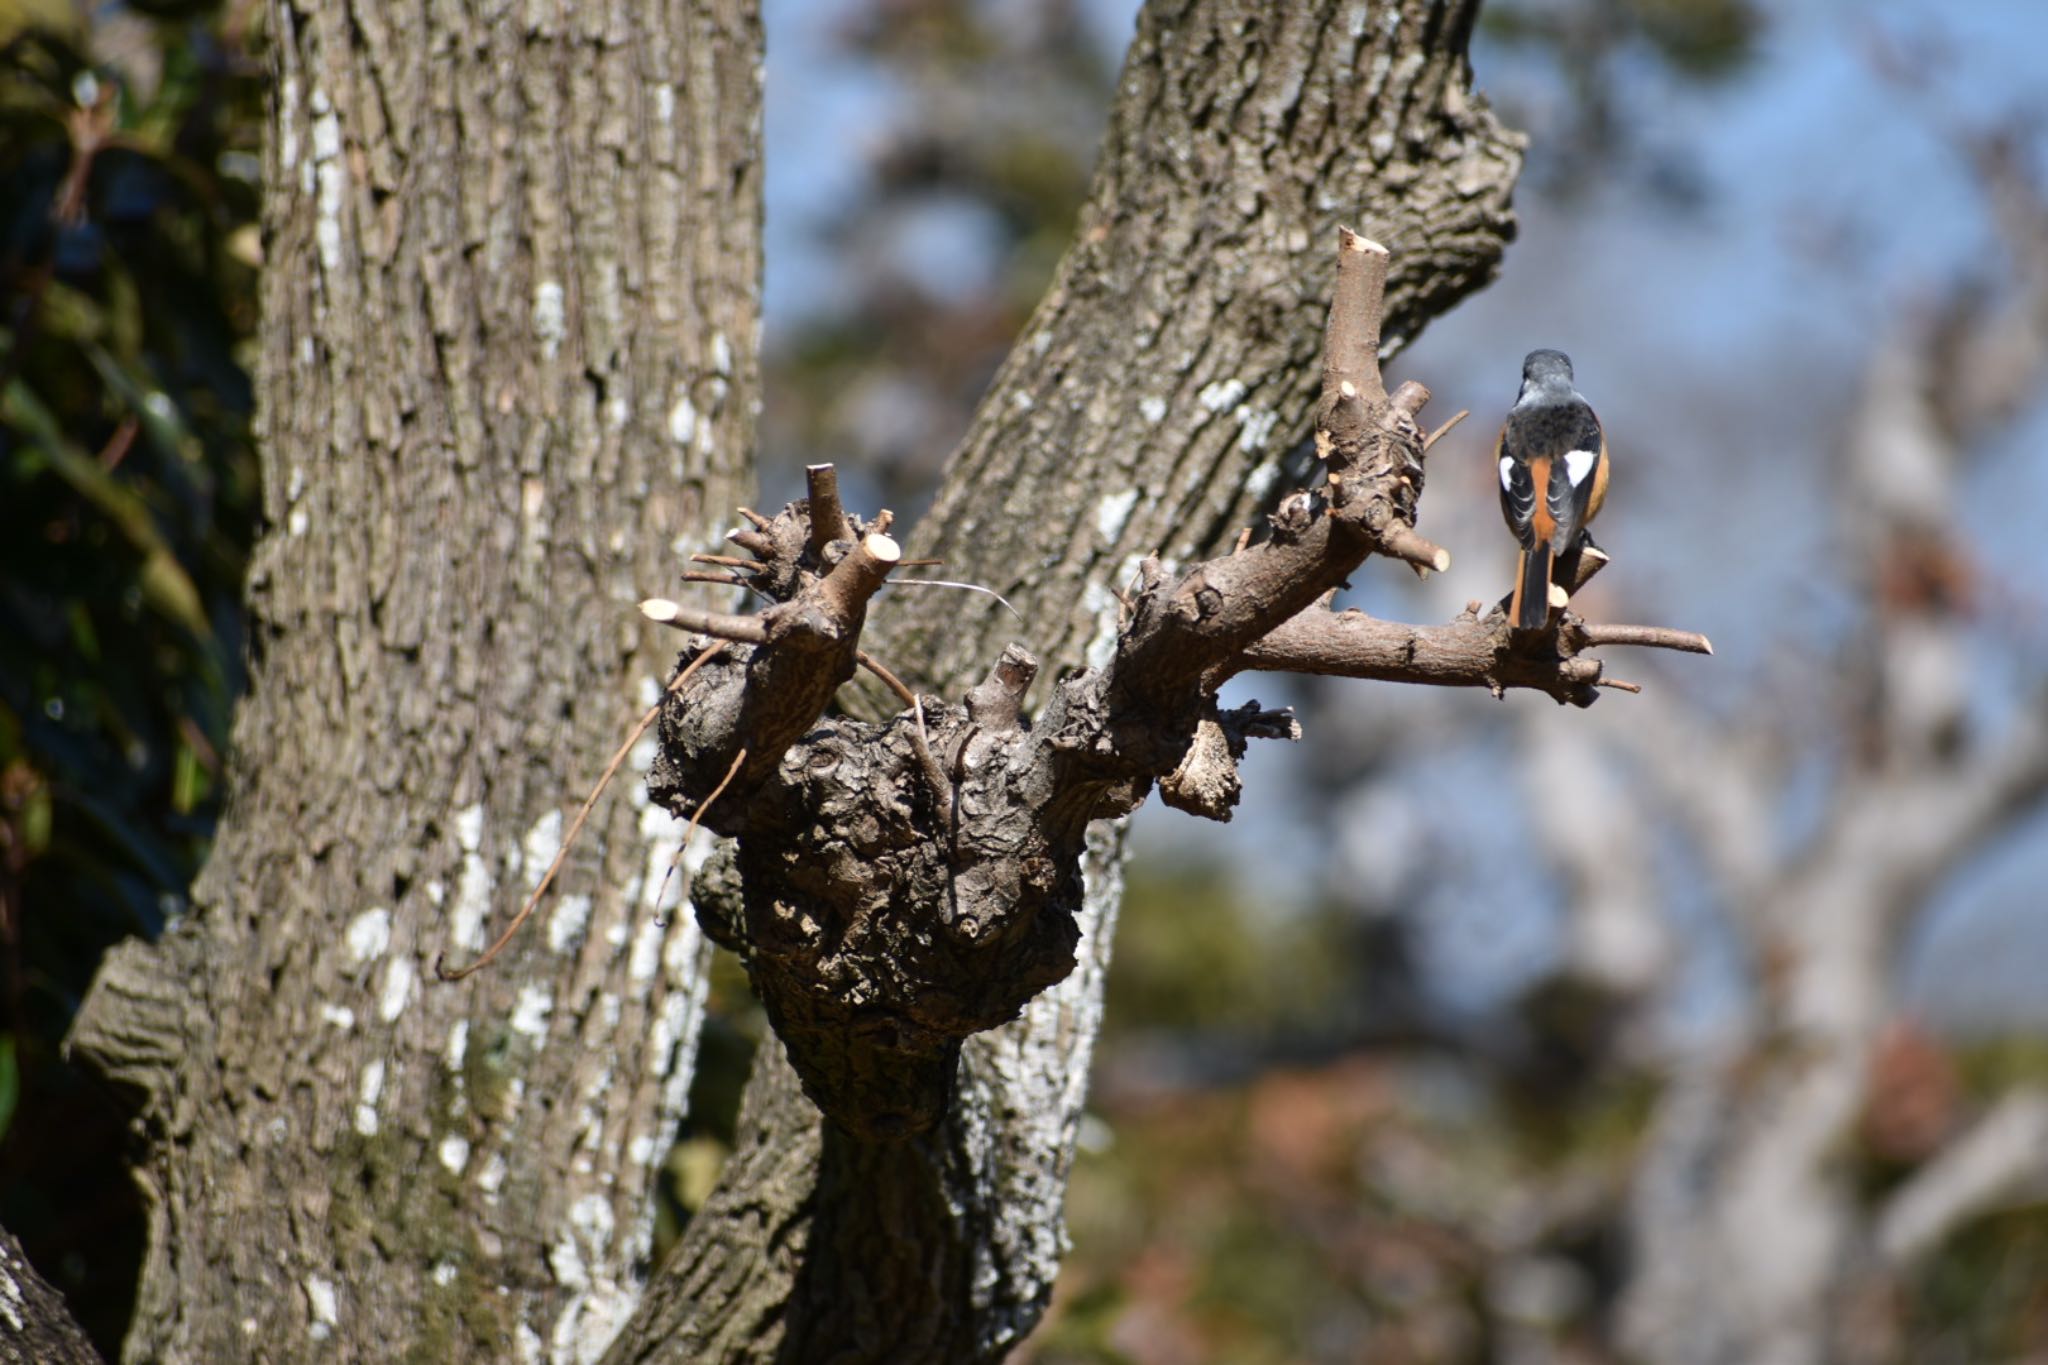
pixel 907 883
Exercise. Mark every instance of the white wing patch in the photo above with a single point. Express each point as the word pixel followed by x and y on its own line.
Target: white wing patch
pixel 1578 464
pixel 1507 473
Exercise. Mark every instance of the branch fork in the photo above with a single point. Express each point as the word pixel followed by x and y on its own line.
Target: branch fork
pixel 902 885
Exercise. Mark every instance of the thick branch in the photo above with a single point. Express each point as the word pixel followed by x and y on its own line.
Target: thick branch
pixel 1372 450
pixel 1351 339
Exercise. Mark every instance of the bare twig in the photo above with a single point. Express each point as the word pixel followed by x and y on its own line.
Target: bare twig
pixel 1404 544
pixel 896 684
pixel 1460 415
pixel 1649 637
pixel 697 816
pixel 828 518
pixel 727 561
pixel 949 583
pixel 745 629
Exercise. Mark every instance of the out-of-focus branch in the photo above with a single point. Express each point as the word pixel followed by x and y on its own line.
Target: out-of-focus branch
pixel 2001 1160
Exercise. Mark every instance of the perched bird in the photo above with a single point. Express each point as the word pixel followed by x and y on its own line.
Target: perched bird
pixel 1553 478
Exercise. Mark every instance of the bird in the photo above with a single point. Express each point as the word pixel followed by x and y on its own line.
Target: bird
pixel 1552 457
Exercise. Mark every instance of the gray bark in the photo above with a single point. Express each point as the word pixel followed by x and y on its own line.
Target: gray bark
pixel 36 1326
pixel 511 318
pixel 1147 408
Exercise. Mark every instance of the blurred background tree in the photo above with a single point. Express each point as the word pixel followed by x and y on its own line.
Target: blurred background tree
pixel 128 499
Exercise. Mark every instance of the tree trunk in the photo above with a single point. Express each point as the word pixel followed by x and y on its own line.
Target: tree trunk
pixel 36 1326
pixel 508 373
pixel 1148 407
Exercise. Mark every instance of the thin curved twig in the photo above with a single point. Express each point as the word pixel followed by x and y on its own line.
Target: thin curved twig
pixel 441 968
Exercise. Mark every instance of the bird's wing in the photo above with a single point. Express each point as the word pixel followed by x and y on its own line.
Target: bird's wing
pixel 1517 490
pixel 1569 498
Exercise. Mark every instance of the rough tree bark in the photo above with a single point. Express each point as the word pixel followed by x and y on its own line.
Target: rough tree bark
pixel 1146 410
pixel 511 318
pixel 36 1328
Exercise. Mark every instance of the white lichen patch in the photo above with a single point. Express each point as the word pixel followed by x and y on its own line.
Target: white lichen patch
pixel 530 1015
pixel 444 1273
pixel 659 839
pixel 454 1153
pixel 682 420
pixel 469 827
pixel 641 1149
pixel 1113 512
pixel 366 1098
pixel 399 979
pixel 13 1301
pixel 491 1178
pixel 341 1016
pixel 598 1303
pixel 646 958
pixel 1255 426
pixel 568 924
pixel 1152 410
pixel 591 1217
pixel 326 1309
pixel 526 1343
pixel 297 522
pixel 473 883
pixel 1099 602
pixel 1222 395
pixel 721 354
pixel 287 124
pixel 1261 480
pixel 608 1010
pixel 668 1026
pixel 368 934
pixel 330 172
pixel 550 317
pixel 565 1258
pixel 541 844
pixel 458 1045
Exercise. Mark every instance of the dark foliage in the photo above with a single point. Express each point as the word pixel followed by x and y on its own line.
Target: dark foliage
pixel 128 502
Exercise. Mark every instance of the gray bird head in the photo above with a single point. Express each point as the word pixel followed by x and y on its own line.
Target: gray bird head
pixel 1547 372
